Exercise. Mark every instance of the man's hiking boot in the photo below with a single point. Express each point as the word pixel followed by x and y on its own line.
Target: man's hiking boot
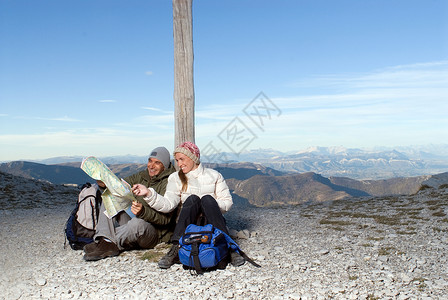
pixel 171 258
pixel 236 259
pixel 90 247
pixel 103 249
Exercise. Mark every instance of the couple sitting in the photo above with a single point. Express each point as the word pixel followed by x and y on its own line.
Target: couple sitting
pixel 161 193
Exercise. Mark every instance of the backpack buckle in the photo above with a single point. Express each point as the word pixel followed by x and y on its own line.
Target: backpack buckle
pixel 196 238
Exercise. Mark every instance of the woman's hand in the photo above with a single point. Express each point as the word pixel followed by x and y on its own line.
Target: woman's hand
pixel 136 208
pixel 141 190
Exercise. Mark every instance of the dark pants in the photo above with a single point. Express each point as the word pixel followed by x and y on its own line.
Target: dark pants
pixel 192 208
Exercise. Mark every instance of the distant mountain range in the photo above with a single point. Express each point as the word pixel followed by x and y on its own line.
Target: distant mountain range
pixel 311 188
pixel 379 163
pixel 252 183
pixel 56 174
pixel 71 173
pixel 357 163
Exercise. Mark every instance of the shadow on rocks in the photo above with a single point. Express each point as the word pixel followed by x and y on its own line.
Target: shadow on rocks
pixel 238 217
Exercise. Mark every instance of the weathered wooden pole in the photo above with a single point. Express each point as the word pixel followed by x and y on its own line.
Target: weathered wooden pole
pixel 183 71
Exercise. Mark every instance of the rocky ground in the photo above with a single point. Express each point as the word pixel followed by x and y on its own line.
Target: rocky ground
pixel 364 248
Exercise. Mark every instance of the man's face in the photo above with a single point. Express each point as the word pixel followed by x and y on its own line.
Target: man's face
pixel 155 166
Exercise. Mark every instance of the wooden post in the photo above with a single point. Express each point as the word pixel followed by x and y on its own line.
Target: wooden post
pixel 183 72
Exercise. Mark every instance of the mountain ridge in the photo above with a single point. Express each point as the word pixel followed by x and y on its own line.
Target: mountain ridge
pixel 363 164
pixel 251 183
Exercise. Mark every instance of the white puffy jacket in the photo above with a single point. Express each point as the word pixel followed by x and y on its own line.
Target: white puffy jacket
pixel 201 181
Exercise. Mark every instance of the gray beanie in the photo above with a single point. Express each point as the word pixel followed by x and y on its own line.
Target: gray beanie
pixel 162 154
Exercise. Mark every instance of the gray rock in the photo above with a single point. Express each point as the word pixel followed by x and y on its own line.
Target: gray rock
pixel 303 260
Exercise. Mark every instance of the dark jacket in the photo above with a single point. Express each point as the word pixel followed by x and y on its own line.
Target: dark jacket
pixel 164 223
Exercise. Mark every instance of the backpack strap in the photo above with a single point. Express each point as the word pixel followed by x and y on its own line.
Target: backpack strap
pixel 248 258
pixel 234 247
pixel 195 255
pixel 98 202
pixel 93 213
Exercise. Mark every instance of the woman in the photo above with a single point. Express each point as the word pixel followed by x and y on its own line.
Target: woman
pixel 197 190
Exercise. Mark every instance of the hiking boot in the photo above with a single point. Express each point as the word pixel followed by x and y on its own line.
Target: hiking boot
pixel 171 258
pixel 103 249
pixel 236 259
pixel 90 247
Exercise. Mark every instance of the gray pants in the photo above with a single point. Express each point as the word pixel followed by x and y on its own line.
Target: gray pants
pixel 127 233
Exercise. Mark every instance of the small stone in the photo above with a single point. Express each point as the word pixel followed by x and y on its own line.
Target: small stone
pixel 405 278
pixel 228 295
pixel 324 252
pixel 242 235
pixel 233 233
pixel 41 281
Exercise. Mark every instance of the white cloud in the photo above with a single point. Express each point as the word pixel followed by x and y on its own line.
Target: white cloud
pixel 403 105
pixel 62 119
pixel 157 110
pixel 432 65
pixel 108 101
pixel 398 105
pixel 433 74
pixel 149 73
pixel 151 108
pixel 84 142
pixel 59 119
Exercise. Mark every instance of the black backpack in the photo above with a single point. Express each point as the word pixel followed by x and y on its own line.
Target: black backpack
pixel 81 224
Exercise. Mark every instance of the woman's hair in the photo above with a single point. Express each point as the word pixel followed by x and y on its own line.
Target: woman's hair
pixel 184 180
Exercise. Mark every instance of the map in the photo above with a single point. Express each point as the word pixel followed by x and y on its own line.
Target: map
pixel 118 195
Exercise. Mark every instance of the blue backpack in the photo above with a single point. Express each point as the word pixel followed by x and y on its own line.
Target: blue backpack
pixel 207 248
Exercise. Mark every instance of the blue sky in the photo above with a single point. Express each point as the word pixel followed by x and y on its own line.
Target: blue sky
pixel 96 77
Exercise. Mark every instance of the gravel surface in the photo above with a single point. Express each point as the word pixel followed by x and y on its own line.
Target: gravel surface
pixel 364 248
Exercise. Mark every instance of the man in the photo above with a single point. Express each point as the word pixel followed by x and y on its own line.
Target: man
pixel 148 228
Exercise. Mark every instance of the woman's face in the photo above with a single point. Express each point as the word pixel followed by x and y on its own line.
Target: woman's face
pixel 185 163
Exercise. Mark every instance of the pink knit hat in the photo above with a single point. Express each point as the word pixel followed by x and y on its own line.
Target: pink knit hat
pixel 190 150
